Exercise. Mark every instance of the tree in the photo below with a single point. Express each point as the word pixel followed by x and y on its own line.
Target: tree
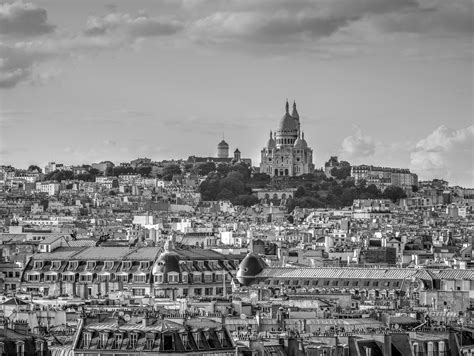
pixel 341 172
pixel 171 170
pixel 34 168
pixel 394 193
pixel 204 169
pixel 144 171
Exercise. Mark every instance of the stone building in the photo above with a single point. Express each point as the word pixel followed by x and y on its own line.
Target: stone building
pixel 287 152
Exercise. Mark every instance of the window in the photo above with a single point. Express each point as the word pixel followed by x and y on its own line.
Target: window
pixel 366 283
pixel 85 278
pixel 50 277
pixel 109 264
pixel 159 278
pixel 315 283
pixel 140 292
pixel 185 277
pixel 144 264
pixel 326 283
pixel 103 277
pixel 55 264
pixel 87 339
pixel 149 343
pixel 20 348
pixel 90 264
pixel 197 278
pixel 33 277
pixel 355 283
pixel 168 344
pixel 335 283
pixel 72 265
pixel 133 340
pixel 38 264
pixel 126 264
pixel 375 284
pixel 139 278
pixel 104 337
pixel 118 340
pixel 122 278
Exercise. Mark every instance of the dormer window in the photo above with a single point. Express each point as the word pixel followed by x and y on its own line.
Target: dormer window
pixel 38 264
pixel 73 264
pixel 104 337
pixel 159 278
pixel 185 277
pixel 109 264
pixel 173 277
pixel 87 339
pixel 133 340
pixel 126 264
pixel 90 265
pixel 144 264
pixel 55 264
pixel 118 340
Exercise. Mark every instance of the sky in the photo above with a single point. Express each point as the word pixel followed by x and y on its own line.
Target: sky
pixel 382 82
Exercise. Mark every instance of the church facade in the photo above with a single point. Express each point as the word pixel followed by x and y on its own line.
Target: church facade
pixel 287 152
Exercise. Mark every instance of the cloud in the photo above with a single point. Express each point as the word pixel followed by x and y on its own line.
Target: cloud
pixel 132 26
pixel 23 19
pixel 358 145
pixel 446 152
pixel 17 62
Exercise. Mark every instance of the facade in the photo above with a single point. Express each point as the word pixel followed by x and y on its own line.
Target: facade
pixel 287 152
pixel 148 335
pixel 383 177
pixel 97 271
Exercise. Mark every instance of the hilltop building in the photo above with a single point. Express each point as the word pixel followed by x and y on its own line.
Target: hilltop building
pixel 287 152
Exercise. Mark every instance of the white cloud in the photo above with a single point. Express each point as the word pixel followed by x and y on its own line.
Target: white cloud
pixel 133 26
pixel 23 19
pixel 446 152
pixel 357 146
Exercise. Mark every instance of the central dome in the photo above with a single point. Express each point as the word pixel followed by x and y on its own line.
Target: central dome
pixel 287 124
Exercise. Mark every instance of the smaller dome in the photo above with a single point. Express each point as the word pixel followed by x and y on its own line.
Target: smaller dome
pixel 167 262
pixel 301 143
pixel 249 268
pixel 223 144
pixel 271 144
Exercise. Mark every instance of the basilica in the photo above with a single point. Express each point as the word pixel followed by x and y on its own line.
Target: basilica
pixel 286 152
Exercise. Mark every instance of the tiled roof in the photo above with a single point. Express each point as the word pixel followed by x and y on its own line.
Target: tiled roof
pixel 62 253
pixel 457 274
pixel 338 273
pixel 103 253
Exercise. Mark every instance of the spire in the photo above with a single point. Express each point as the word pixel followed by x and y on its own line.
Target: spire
pixel 287 107
pixel 295 112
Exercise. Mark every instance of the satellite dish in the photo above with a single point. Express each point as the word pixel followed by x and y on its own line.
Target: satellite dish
pixel 126 317
pixel 243 316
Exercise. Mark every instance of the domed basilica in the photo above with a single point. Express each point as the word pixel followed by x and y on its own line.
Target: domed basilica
pixel 286 152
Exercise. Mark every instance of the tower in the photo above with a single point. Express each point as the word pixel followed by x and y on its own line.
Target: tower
pixel 222 149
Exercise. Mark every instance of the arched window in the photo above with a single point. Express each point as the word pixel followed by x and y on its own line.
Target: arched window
pixel 20 348
pixel 430 349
